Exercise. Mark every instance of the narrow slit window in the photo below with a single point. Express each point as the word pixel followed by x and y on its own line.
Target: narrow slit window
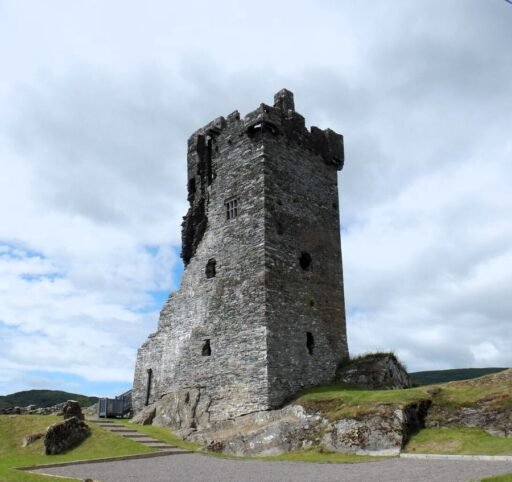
pixel 149 372
pixel 211 270
pixel 232 209
pixel 305 260
pixel 310 342
pixel 207 349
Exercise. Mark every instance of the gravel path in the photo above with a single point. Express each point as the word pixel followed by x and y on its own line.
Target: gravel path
pixel 200 468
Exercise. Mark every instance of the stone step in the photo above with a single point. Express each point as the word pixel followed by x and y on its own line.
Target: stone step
pixel 141 438
pixel 174 451
pixel 120 430
pixel 159 445
pixel 145 440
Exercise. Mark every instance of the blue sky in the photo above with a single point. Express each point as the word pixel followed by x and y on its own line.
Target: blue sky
pixel 97 100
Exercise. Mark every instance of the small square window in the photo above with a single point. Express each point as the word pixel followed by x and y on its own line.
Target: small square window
pixel 232 209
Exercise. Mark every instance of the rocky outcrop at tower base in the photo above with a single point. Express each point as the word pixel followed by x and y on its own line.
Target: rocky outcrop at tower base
pixel 382 431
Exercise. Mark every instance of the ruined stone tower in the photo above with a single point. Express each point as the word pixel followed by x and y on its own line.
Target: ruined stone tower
pixel 260 311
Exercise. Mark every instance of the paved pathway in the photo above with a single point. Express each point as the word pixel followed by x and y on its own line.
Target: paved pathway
pixel 200 468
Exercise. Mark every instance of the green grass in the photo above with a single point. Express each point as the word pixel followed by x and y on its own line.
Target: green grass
pixel 337 400
pixel 499 478
pixel 340 400
pixel 458 441
pixel 444 376
pixel 465 395
pixel 99 444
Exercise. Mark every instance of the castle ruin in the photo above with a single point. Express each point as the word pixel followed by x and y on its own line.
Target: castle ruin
pixel 260 313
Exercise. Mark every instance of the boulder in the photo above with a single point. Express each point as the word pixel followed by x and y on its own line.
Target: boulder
pixel 183 409
pixel 72 409
pixel 262 433
pixel 381 433
pixel 496 421
pixel 145 416
pixel 374 371
pixel 65 435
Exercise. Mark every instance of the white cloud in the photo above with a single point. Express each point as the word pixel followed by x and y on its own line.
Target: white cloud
pixel 97 101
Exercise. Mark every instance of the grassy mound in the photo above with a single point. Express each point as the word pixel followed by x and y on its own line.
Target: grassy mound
pixel 491 394
pixel 100 444
pixel 339 401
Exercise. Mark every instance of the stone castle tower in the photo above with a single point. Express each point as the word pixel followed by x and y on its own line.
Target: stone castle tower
pixel 260 312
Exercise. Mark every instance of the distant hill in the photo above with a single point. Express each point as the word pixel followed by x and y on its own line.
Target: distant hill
pixel 443 376
pixel 43 398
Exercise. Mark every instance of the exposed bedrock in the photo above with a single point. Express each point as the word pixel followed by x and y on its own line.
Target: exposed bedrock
pixel 496 421
pixel 381 432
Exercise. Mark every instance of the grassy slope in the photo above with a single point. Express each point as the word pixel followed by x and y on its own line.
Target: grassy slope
pixel 499 478
pixel 444 376
pixel 100 444
pixel 337 401
pixel 340 400
pixel 43 398
pixel 466 441
pixel 492 391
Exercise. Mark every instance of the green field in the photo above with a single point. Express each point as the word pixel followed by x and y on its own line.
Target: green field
pixel 460 441
pixel 100 444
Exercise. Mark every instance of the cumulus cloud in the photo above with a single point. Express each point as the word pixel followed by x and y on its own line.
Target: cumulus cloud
pixel 95 117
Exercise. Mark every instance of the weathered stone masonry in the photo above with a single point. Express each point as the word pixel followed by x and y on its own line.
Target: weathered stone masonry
pixel 260 311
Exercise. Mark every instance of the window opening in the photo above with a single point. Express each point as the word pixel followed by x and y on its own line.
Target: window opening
pixel 305 260
pixel 232 209
pixel 310 342
pixel 209 170
pixel 207 349
pixel 210 268
pixel 149 371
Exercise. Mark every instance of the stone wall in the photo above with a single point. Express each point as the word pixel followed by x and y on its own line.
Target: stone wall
pixel 251 323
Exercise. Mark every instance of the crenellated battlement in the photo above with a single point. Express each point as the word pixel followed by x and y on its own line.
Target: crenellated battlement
pixel 278 120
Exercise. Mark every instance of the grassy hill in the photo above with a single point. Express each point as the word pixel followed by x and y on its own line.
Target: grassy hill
pixel 43 398
pixel 451 430
pixel 444 376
